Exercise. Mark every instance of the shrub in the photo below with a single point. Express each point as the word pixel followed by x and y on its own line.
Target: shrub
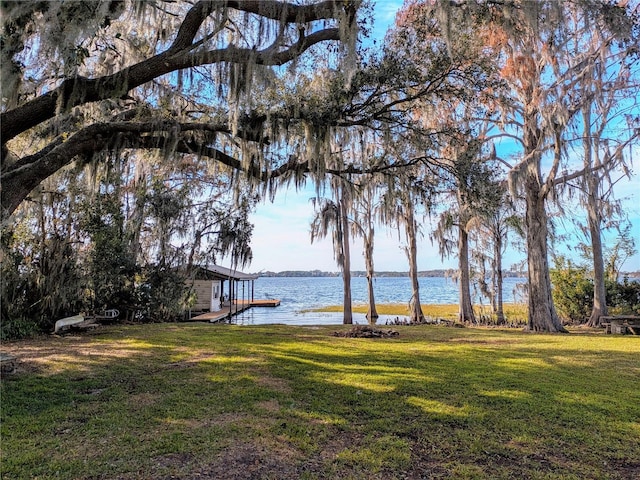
pixel 163 295
pixel 572 290
pixel 623 297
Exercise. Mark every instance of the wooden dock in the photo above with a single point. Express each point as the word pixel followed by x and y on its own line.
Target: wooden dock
pixel 230 310
pixel 264 303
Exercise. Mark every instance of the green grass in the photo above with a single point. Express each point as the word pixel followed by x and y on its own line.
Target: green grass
pixel 275 402
pixel 514 312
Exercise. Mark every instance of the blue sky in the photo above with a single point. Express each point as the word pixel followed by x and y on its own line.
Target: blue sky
pixel 281 238
pixel 281 241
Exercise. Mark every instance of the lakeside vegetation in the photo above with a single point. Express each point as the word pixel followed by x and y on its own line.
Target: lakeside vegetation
pixel 514 313
pixel 229 402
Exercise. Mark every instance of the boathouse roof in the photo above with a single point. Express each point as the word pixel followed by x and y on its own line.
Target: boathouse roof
pixel 218 272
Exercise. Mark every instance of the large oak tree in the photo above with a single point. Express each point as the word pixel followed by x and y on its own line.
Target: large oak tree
pixel 89 76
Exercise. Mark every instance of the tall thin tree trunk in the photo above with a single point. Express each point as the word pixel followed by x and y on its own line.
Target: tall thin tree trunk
pixel 542 313
pixel 368 239
pixel 372 312
pixel 599 287
pixel 497 265
pixel 346 262
pixel 415 308
pixel 594 221
pixel 465 313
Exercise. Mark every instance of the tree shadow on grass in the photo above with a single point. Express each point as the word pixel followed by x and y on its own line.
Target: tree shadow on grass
pixel 498 410
pixel 295 403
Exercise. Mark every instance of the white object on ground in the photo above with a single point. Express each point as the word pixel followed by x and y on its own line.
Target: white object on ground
pixel 67 322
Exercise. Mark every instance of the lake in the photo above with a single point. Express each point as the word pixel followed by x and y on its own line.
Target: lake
pixel 303 293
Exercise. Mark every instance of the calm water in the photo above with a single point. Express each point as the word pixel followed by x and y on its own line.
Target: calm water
pixel 298 294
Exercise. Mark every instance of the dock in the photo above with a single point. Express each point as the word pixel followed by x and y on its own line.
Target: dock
pixel 264 303
pixel 235 308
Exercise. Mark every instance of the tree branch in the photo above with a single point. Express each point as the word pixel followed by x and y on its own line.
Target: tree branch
pixel 19 178
pixel 80 90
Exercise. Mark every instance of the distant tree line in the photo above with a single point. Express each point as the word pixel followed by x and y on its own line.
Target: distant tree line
pixel 437 273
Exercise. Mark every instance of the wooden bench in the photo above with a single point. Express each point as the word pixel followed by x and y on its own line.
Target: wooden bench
pixel 621 324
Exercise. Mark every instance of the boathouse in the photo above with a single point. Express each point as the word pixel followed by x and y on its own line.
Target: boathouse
pixel 216 287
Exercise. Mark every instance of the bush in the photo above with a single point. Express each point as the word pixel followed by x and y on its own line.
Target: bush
pixel 163 295
pixel 40 283
pixel 623 297
pixel 573 292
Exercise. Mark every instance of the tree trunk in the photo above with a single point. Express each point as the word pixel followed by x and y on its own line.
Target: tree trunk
pixel 599 288
pixel 415 308
pixel 346 263
pixel 497 265
pixel 372 312
pixel 465 313
pixel 594 221
pixel 542 313
pixel 368 234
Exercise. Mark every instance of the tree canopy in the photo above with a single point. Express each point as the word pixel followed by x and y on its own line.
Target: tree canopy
pixel 94 76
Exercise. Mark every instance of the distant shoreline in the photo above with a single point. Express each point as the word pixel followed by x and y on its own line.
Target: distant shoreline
pixel 439 273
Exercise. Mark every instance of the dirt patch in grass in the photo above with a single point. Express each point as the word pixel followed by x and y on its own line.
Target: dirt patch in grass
pixel 220 420
pixel 182 365
pixel 143 399
pixel 55 354
pixel 274 383
pixel 171 461
pixel 231 418
pixel 626 469
pixel 269 405
pixel 249 461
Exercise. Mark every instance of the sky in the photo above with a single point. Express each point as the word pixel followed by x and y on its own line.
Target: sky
pixel 282 240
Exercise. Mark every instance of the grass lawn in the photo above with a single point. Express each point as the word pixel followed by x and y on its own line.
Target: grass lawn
pixel 199 401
